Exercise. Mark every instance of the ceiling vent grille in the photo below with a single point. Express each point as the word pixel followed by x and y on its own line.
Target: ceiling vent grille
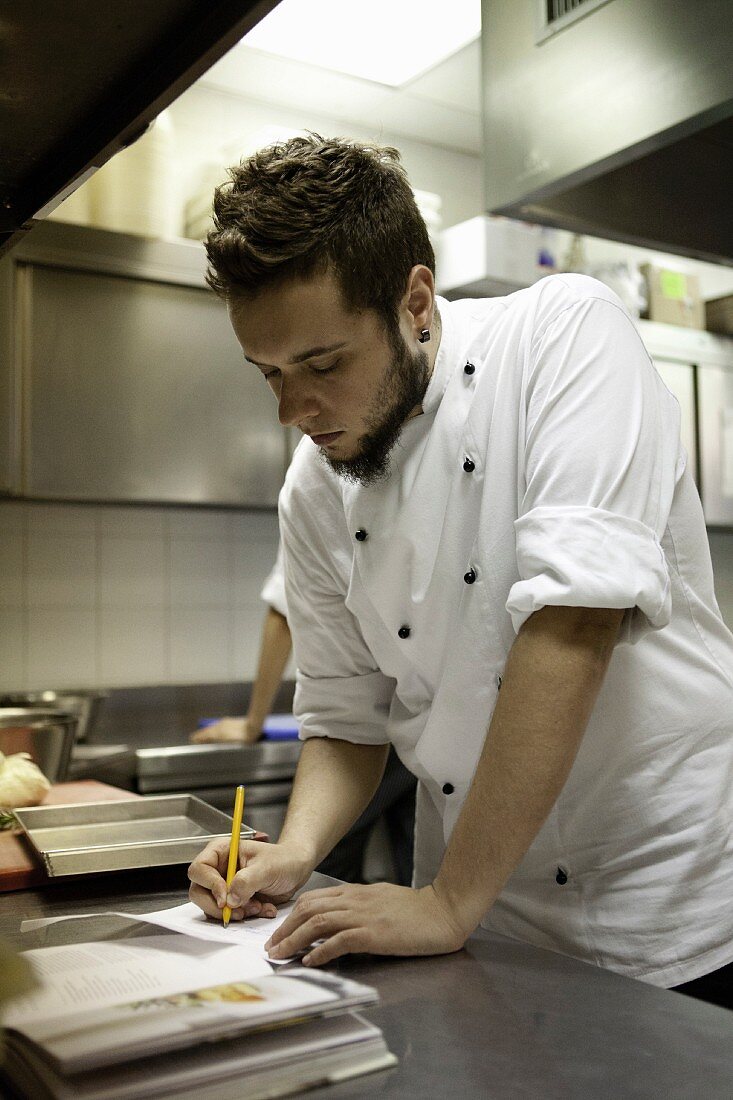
pixel 556 15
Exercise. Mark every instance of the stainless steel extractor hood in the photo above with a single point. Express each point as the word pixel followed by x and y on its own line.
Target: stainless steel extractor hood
pixel 81 81
pixel 613 118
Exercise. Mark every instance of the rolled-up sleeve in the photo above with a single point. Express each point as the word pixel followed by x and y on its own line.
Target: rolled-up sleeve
pixel 273 590
pixel 339 690
pixel 600 461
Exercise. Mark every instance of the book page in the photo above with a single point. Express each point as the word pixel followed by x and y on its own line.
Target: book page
pixel 88 977
pixel 153 1024
pixel 103 1003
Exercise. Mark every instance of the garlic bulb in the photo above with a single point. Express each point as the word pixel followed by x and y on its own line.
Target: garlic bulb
pixel 22 783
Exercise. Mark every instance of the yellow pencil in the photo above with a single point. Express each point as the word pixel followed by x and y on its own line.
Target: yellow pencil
pixel 234 846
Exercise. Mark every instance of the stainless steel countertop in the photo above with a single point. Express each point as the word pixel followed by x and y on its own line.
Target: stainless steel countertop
pixel 179 767
pixel 499 1018
pixel 186 766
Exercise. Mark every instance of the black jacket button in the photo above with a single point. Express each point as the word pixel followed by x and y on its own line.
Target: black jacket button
pixel 468 465
pixel 403 632
pixel 361 535
pixel 469 577
pixel 561 877
pixel 469 368
pixel 448 788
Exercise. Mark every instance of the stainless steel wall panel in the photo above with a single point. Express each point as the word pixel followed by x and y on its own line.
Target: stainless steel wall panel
pixel 136 390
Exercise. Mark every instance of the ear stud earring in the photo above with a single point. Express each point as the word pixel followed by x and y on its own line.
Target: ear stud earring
pixel 424 335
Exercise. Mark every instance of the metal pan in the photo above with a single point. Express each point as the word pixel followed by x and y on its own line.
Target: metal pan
pixel 46 735
pixel 115 836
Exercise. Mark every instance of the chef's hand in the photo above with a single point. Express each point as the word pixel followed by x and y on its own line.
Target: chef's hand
pixel 381 919
pixel 242 730
pixel 269 874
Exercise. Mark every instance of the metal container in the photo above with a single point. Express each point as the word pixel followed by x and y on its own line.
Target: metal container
pixel 86 704
pixel 48 735
pixel 266 767
pixel 115 836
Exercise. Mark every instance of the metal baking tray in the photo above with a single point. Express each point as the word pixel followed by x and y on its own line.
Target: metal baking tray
pixel 115 836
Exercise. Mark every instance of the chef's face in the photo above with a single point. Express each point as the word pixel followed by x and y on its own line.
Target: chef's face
pixel 338 374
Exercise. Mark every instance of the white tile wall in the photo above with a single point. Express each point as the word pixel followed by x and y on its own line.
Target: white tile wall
pixel 61 646
pixel 61 570
pixel 109 597
pixel 200 573
pixel 201 643
pixel 98 596
pixel 133 571
pixel 134 645
pixel 11 568
pixel 12 647
pixel 246 643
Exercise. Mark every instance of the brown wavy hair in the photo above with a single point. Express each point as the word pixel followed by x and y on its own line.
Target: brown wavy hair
pixel 308 204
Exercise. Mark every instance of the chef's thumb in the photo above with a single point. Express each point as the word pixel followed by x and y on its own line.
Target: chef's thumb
pixel 244 884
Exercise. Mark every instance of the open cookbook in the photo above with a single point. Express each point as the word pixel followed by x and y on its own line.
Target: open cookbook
pixel 169 1015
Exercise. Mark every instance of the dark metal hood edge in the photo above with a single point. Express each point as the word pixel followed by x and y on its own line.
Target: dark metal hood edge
pixel 620 126
pixel 83 81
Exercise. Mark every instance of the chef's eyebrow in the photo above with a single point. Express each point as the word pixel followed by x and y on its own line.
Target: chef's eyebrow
pixel 301 357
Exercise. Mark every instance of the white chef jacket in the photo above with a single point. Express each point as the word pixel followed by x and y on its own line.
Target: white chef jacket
pixel 546 469
pixel 273 590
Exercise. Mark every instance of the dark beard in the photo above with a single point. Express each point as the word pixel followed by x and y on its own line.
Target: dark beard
pixel 402 388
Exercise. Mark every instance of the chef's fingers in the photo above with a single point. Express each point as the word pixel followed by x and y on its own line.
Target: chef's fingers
pixel 266 871
pixel 306 929
pixel 308 905
pixel 342 926
pixel 207 874
pixel 349 942
pixel 268 910
pixel 201 737
pixel 202 897
pixel 209 867
pixel 226 729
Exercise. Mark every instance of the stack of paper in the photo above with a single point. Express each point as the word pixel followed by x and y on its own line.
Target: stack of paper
pixel 172 1015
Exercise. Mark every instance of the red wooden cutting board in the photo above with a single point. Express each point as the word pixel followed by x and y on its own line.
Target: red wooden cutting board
pixel 18 867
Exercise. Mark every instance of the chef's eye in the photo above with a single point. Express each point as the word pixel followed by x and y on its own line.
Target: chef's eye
pixel 326 369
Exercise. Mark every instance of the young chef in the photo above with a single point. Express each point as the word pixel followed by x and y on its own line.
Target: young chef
pixel 496 561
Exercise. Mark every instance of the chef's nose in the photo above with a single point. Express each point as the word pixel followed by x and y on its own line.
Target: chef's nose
pixel 295 403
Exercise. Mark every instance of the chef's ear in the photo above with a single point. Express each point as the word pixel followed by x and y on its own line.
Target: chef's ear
pixel 419 300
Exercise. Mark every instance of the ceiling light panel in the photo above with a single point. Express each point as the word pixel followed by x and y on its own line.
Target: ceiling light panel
pixel 387 41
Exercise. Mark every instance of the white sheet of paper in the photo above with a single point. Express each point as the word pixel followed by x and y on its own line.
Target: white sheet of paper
pixel 252 933
pixel 188 918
